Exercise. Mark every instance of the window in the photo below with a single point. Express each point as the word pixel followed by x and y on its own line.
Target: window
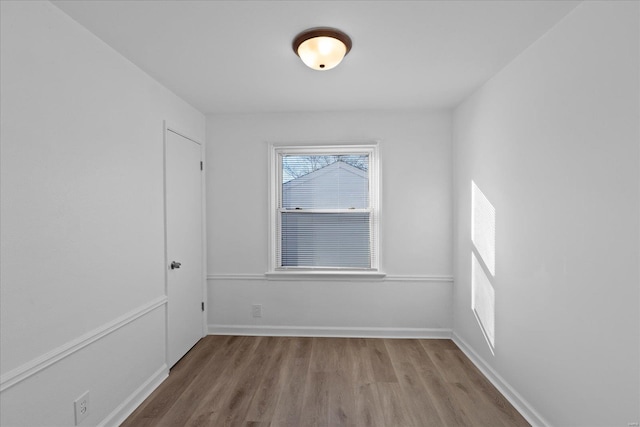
pixel 324 208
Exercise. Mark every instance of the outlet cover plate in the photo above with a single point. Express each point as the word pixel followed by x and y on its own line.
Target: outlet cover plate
pixel 256 310
pixel 81 407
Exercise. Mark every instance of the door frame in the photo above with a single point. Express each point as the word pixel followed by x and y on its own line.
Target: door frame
pixel 169 127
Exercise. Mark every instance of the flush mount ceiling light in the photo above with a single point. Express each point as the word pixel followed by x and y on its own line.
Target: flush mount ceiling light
pixel 321 48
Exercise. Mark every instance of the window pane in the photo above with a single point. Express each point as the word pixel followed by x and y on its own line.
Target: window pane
pixel 325 240
pixel 325 182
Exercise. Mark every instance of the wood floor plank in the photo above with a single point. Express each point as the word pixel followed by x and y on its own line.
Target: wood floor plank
pixel 324 356
pixel 441 344
pixel 443 400
pixel 358 362
pixel 288 410
pixel 368 407
pixel 380 361
pixel 394 406
pixel 200 402
pixel 342 406
pixel 450 370
pixel 264 401
pixel 315 407
pixel 232 406
pixel 421 407
pixel 294 382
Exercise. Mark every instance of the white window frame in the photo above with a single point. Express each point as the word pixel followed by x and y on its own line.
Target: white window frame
pixel 276 152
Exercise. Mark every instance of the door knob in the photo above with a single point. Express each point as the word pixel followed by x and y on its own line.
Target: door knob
pixel 175 264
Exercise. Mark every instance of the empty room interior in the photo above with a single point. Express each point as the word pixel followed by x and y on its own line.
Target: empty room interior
pixel 289 213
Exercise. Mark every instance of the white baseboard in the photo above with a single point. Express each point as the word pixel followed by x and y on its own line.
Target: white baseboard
pixel 518 402
pixel 323 331
pixel 126 408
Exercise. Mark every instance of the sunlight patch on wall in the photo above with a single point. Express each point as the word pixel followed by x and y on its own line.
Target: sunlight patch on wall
pixel 483 263
pixel 483 227
pixel 483 301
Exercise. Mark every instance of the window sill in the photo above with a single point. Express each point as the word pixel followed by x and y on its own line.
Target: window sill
pixel 324 275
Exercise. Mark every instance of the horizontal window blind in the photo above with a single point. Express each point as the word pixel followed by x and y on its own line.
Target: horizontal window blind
pixel 325 240
pixel 325 218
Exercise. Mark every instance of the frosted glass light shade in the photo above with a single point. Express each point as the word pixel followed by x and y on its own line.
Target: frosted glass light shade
pixel 322 53
pixel 322 48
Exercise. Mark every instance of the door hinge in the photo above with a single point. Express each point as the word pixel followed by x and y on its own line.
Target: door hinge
pixel 201 166
pixel 202 305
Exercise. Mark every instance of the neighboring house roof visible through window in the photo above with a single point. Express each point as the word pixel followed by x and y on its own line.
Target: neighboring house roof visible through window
pixel 336 186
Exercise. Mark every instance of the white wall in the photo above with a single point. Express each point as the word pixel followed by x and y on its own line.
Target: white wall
pixel 82 220
pixel 415 299
pixel 553 142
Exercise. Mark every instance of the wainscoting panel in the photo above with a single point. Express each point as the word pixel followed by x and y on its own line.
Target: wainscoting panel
pixel 392 307
pixel 119 364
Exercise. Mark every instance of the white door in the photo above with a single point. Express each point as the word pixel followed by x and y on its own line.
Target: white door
pixel 184 244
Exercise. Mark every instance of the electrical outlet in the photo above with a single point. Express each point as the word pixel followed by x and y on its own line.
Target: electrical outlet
pixel 256 310
pixel 81 407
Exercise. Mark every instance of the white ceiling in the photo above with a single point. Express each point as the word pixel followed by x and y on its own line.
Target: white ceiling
pixel 236 56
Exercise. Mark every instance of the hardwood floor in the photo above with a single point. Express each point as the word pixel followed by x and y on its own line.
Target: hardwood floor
pixel 286 381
